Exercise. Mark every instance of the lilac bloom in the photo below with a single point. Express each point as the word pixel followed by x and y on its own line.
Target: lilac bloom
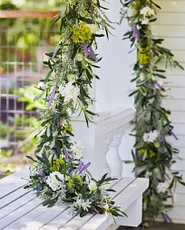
pixel 79 167
pixel 66 155
pixel 173 134
pixel 52 96
pixel 155 90
pixel 93 53
pixel 167 219
pixel 85 49
pixel 84 167
pixel 41 173
pixel 102 204
pixel 95 210
pixel 160 86
pixel 136 32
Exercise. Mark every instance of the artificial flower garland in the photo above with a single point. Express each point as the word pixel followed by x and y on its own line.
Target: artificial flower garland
pixel 58 174
pixel 153 154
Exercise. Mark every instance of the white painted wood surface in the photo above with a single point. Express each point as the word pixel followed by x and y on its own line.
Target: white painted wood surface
pixel 20 209
pixel 102 141
pixel 171 26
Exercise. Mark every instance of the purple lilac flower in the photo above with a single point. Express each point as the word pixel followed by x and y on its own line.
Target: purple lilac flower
pixel 52 95
pixel 93 53
pixel 79 167
pixel 160 86
pixel 85 49
pixel 173 134
pixel 102 204
pixel 136 32
pixel 155 90
pixel 66 155
pixel 84 167
pixel 167 219
pixel 41 173
pixel 95 210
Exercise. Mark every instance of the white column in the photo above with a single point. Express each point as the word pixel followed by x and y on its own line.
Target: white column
pixel 113 159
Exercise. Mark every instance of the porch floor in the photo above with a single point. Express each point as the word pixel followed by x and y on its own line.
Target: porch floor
pixel 158 226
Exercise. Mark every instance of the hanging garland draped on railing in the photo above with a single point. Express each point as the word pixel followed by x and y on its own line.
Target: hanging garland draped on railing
pixel 58 174
pixel 153 154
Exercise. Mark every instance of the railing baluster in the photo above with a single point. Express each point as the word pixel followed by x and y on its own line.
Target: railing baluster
pixel 113 159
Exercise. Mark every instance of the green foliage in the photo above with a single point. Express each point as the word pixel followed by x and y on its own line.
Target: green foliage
pixel 58 174
pixel 27 95
pixel 153 155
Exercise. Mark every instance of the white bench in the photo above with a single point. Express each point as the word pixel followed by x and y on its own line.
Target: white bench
pixel 20 209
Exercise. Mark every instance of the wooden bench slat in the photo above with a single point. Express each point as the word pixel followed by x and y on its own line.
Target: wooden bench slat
pixel 44 219
pixel 10 198
pixel 98 222
pixel 112 183
pixel 16 204
pixel 131 193
pixel 12 215
pixel 121 185
pixel 77 222
pixel 59 221
pixel 28 217
pixel 13 182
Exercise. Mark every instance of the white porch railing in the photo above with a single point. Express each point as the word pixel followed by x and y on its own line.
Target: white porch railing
pixel 102 141
pixel 115 128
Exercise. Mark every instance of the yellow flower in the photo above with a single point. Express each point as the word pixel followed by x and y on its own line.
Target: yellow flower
pixel 136 4
pixel 81 33
pixel 78 177
pixel 144 55
pixel 69 128
pixel 54 168
pixel 55 165
pixel 59 161
pixel 71 185
pixel 152 154
pixel 142 151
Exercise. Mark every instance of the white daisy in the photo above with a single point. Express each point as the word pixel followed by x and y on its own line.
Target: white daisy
pixel 55 181
pixel 69 91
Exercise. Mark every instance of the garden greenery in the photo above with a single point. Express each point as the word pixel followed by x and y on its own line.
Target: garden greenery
pixel 153 154
pixel 58 174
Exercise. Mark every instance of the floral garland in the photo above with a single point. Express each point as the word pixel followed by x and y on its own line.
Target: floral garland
pixel 153 154
pixel 58 174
